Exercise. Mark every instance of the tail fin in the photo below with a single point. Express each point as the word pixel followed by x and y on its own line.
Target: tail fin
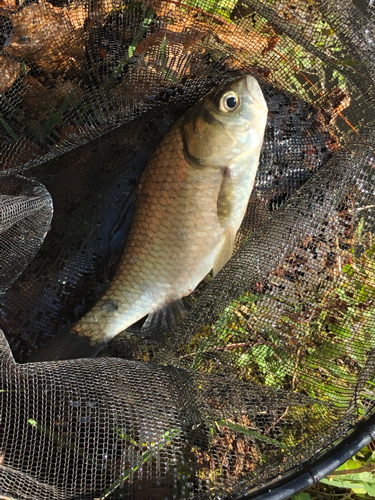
pixel 66 345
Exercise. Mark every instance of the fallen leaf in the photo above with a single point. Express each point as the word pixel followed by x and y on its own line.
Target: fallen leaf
pixel 44 35
pixel 9 71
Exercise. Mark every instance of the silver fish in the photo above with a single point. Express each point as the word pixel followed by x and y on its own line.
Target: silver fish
pixel 191 201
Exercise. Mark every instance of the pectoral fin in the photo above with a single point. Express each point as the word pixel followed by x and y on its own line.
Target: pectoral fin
pixel 225 199
pixel 225 252
pixel 225 212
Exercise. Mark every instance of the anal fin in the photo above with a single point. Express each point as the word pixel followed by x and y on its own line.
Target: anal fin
pixel 166 318
pixel 225 252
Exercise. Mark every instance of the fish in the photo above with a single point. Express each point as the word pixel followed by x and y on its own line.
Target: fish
pixel 190 203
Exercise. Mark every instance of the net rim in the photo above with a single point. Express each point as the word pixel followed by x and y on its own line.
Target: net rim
pixel 312 472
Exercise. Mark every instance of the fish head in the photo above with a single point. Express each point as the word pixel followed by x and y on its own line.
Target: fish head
pixel 228 123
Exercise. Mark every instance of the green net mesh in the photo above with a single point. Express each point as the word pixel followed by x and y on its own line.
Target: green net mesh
pixel 275 359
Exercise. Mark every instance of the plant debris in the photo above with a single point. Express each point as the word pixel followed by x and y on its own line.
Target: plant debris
pixel 9 71
pixel 41 34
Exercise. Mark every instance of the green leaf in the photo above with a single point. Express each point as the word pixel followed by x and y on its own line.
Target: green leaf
pixel 359 490
pixel 9 129
pixel 348 269
pixel 328 32
pixel 370 488
pixel 346 62
pixel 164 52
pixel 301 496
pixel 347 483
pixel 371 458
pixel 353 463
pixel 249 432
pixel 56 116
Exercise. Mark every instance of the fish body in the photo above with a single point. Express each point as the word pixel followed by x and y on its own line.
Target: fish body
pixel 191 201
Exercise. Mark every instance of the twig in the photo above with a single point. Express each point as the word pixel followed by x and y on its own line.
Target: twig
pixel 362 208
pixel 246 344
pixel 231 346
pixel 2 497
pixel 314 492
pixel 278 420
pixel 298 359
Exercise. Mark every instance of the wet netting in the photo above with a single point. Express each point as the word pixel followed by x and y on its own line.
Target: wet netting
pixel 274 362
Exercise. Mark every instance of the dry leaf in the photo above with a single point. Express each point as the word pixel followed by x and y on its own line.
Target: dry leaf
pixel 181 33
pixel 9 70
pixel 8 5
pixel 77 14
pixel 44 35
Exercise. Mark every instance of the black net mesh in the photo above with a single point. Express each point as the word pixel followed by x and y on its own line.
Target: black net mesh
pixel 25 217
pixel 275 359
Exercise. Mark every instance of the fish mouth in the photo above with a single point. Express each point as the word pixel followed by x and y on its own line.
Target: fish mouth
pixel 255 93
pixel 251 84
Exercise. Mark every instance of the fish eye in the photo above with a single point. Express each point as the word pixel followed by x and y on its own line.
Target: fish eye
pixel 229 101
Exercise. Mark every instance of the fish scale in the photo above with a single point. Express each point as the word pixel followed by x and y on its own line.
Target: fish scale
pixel 191 200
